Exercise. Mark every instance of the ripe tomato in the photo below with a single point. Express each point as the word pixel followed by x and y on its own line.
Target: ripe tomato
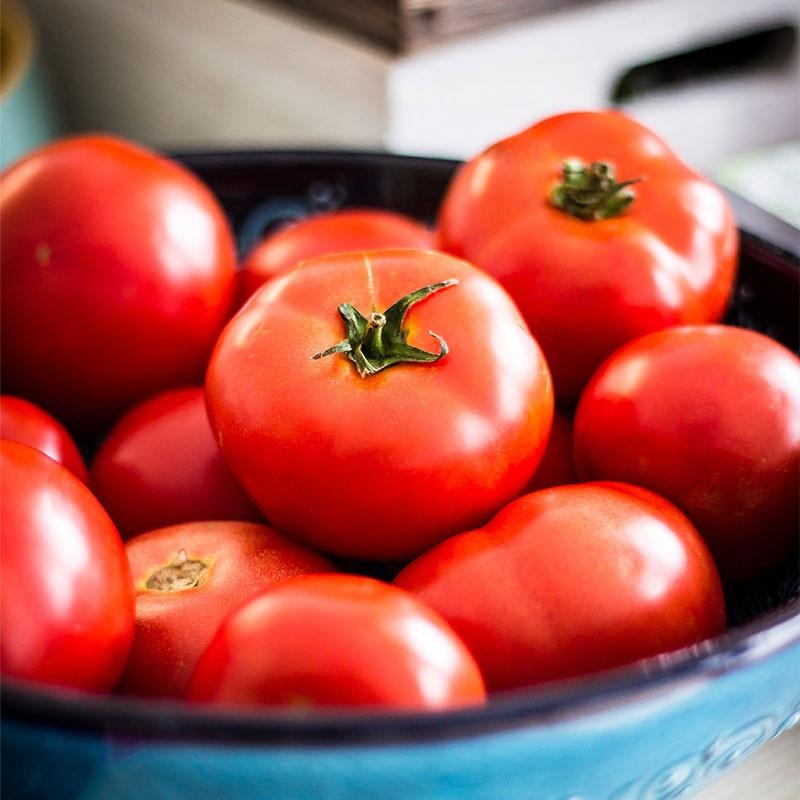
pixel 572 580
pixel 381 465
pixel 363 643
pixel 187 578
pixel 118 270
pixel 160 465
pixel 325 233
pixel 23 421
pixel 65 587
pixel 548 212
pixel 708 417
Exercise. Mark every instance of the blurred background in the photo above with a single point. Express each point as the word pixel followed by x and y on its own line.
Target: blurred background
pixel 717 78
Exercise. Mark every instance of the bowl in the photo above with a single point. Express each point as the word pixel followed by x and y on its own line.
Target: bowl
pixel 658 729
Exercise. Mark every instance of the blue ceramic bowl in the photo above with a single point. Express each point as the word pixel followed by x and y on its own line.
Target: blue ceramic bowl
pixel 656 730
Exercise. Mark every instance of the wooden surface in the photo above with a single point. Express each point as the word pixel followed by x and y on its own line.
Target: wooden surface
pixel 773 773
pixel 404 26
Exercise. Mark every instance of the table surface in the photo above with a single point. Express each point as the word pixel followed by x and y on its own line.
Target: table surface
pixel 773 773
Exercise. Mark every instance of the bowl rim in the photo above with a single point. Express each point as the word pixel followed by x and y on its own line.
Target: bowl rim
pixel 736 649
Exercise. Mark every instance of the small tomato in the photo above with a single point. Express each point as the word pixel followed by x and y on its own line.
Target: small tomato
pixel 160 465
pixel 325 233
pixel 709 417
pixel 66 595
pixel 598 231
pixel 187 578
pixel 337 640
pixel 23 421
pixel 572 580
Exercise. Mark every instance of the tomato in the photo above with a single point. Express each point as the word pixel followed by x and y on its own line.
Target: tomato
pixel 557 466
pixel 709 417
pixel 363 643
pixel 329 232
pixel 360 455
pixel 65 587
pixel 549 212
pixel 23 421
pixel 160 465
pixel 187 578
pixel 118 270
pixel 572 580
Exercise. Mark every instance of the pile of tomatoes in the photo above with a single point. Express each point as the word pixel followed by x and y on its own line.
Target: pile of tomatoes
pixel 373 462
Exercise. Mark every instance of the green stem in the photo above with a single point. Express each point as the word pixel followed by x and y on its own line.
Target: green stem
pixel 591 193
pixel 379 341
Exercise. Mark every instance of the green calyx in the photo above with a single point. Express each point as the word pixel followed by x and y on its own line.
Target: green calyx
pixel 591 193
pixel 379 340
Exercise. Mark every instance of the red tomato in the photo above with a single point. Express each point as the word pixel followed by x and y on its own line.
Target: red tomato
pixel 160 465
pixel 383 465
pixel 118 269
pixel 329 232
pixel 557 466
pixel 187 578
pixel 590 269
pixel 363 643
pixel 23 421
pixel 65 587
pixel 572 580
pixel 709 417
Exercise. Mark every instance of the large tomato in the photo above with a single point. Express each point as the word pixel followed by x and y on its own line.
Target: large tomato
pixel 187 578
pixel 592 260
pixel 161 465
pixel 363 643
pixel 572 580
pixel 709 417
pixel 66 593
pixel 329 232
pixel 118 269
pixel 360 455
pixel 23 421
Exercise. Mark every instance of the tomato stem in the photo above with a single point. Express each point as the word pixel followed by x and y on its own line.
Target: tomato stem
pixel 379 341
pixel 591 193
pixel 181 573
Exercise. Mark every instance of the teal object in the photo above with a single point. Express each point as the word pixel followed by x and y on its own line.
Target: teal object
pixel 30 114
pixel 657 730
pixel 627 737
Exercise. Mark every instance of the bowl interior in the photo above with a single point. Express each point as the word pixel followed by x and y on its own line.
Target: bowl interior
pixel 261 189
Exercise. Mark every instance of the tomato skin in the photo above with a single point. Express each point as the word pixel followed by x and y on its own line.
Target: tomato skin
pixel 707 416
pixel 160 465
pixel 23 421
pixel 173 628
pixel 587 287
pixel 67 596
pixel 325 233
pixel 571 580
pixel 363 643
pixel 118 270
pixel 380 467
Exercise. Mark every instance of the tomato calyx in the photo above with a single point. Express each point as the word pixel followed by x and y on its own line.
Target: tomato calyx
pixel 379 340
pixel 591 192
pixel 181 573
